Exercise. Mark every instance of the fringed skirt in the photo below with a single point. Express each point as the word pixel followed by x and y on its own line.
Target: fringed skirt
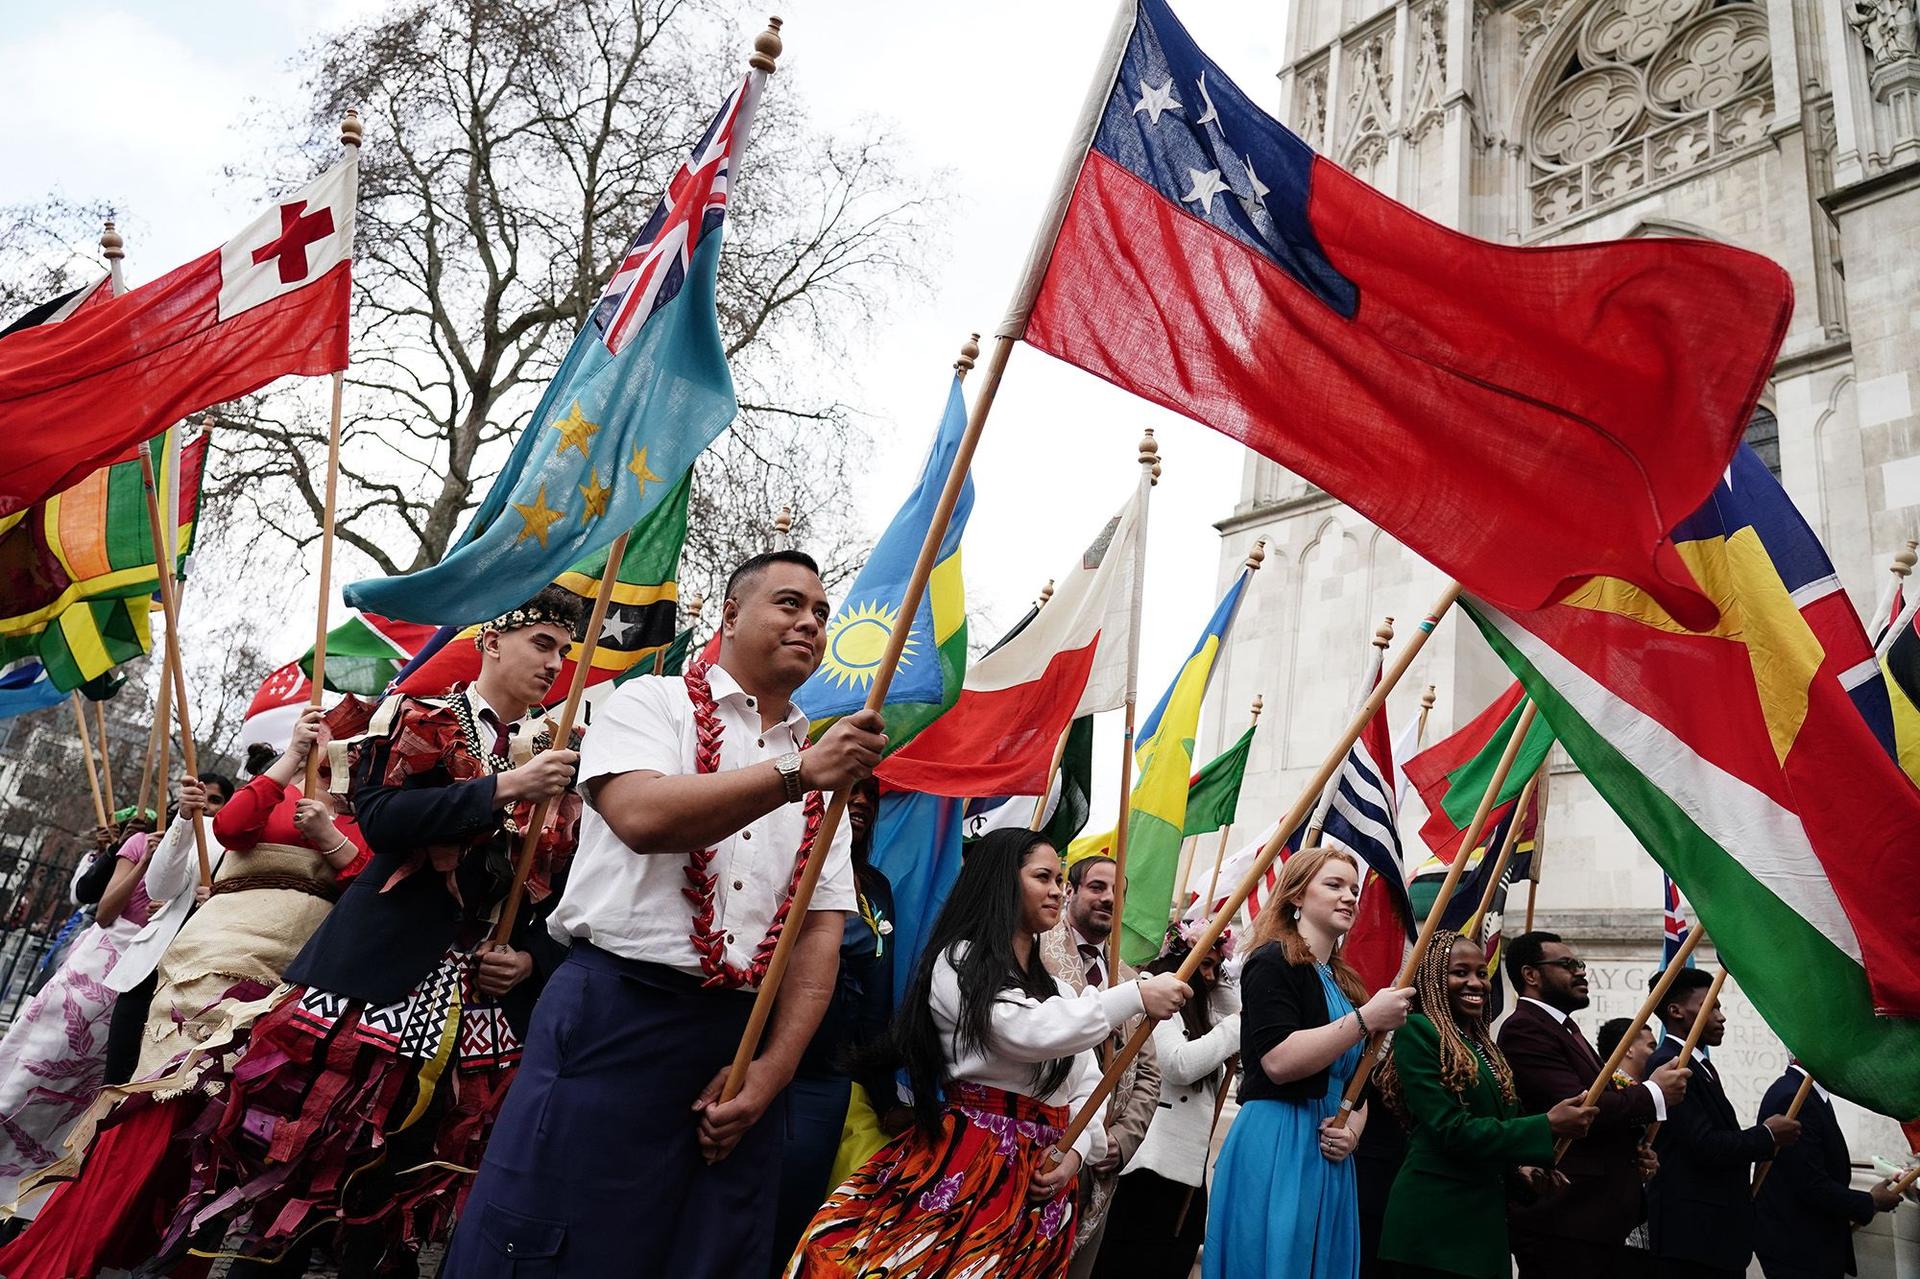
pixel 954 1205
pixel 340 1115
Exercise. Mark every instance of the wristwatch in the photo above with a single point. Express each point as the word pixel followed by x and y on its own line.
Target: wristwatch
pixel 788 766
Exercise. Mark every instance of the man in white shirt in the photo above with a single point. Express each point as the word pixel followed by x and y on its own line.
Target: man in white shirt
pixel 614 1154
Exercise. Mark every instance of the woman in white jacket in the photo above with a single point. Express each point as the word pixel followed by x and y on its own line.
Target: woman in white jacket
pixel 1159 1213
pixel 999 1056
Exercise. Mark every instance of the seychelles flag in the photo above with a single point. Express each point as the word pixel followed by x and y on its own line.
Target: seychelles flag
pixel 1520 417
pixel 934 661
pixel 643 390
pixel 1750 760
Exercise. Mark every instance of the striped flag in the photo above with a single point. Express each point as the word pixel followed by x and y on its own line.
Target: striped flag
pixel 1234 868
pixel 1363 818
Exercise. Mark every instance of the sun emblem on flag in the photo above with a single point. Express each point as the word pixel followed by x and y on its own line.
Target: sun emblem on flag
pixel 857 641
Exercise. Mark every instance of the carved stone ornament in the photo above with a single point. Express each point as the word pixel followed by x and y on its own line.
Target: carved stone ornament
pixel 1889 28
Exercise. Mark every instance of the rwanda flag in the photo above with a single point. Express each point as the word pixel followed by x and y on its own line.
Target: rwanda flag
pixel 645 388
pixel 1158 815
pixel 934 660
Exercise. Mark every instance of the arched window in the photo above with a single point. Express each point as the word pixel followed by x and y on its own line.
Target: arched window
pixel 1649 90
pixel 1763 436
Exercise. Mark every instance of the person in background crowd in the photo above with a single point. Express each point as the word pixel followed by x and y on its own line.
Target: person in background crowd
pixel 998 1054
pixel 1159 1212
pixel 1284 1199
pixel 1807 1206
pixel 1454 1092
pixel 1633 1066
pixel 1700 1214
pixel 1579 1231
pixel 1076 952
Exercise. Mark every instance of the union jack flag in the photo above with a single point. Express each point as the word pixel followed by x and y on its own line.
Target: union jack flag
pixel 1676 927
pixel 656 263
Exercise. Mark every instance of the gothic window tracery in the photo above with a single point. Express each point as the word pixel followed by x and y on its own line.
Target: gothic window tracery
pixel 1649 89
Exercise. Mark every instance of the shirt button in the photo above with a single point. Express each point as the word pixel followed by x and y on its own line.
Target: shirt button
pixel 746 834
pixel 763 741
pixel 738 886
pixel 751 702
pixel 729 938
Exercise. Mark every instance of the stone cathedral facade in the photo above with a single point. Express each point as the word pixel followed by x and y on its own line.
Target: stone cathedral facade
pixel 1790 127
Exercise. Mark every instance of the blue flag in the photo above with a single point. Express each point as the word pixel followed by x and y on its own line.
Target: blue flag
pixel 643 390
pixel 934 660
pixel 25 687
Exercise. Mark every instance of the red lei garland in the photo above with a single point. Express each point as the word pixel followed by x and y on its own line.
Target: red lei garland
pixel 708 943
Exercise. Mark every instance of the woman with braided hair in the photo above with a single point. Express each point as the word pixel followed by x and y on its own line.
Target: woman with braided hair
pixel 1448 1083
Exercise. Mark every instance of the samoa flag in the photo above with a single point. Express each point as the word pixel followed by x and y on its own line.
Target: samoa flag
pixel 1523 418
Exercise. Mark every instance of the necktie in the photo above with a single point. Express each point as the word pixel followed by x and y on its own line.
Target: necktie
pixel 502 740
pixel 1090 954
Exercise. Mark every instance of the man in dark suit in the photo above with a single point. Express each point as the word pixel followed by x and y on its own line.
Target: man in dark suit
pixel 1700 1205
pixel 1807 1205
pixel 1581 1232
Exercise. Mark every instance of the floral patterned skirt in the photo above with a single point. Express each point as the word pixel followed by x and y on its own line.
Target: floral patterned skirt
pixel 954 1205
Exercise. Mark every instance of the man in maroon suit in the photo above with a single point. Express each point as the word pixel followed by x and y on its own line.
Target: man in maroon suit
pixel 1580 1232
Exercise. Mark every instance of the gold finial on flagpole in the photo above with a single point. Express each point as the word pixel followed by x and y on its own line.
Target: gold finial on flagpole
pixel 766 48
pixel 783 529
pixel 351 130
pixel 1427 698
pixel 1046 593
pixel 1259 704
pixel 1258 555
pixel 112 247
pixel 1383 633
pixel 1150 453
pixel 1903 559
pixel 969 353
pixel 694 606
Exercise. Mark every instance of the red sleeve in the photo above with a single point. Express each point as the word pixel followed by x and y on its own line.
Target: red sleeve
pixel 242 822
pixel 361 854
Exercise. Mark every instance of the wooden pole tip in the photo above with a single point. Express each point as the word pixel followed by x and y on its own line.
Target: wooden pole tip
pixel 1427 698
pixel 783 522
pixel 1046 593
pixel 694 606
pixel 112 247
pixel 351 131
pixel 766 48
pixel 1257 556
pixel 969 354
pixel 1259 704
pixel 1903 559
pixel 1383 633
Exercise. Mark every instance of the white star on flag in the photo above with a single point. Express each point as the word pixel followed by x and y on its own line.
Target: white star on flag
pixel 1260 189
pixel 1205 187
pixel 1153 101
pixel 1210 114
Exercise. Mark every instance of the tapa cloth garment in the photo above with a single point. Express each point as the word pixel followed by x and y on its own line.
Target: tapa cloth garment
pixel 955 1204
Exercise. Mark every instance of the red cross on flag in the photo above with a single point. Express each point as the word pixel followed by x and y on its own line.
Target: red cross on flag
pixel 272 301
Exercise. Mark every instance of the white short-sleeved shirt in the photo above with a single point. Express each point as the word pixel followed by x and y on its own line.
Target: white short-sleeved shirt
pixel 630 903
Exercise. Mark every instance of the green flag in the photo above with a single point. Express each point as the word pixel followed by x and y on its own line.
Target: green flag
pixel 1215 791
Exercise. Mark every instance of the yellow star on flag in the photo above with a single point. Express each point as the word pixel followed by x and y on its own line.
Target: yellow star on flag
pixel 538 517
pixel 641 474
pixel 595 494
pixel 574 430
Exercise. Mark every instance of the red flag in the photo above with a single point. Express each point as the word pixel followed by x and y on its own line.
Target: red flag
pixel 1522 418
pixel 78 395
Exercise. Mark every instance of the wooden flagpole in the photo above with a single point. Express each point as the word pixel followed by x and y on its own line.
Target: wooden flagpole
pixel 1381 641
pixel 1426 709
pixel 1268 855
pixel 1507 845
pixel 1377 1042
pixel 1149 476
pixel 1905 1181
pixel 1651 1002
pixel 163 716
pixel 1765 1166
pixel 1685 1055
pixel 163 568
pixel 100 814
pixel 1539 842
pixel 1226 831
pixel 1039 818
pixel 763 999
pixel 576 690
pixel 146 764
pixel 783 529
pixel 350 135
pixel 106 759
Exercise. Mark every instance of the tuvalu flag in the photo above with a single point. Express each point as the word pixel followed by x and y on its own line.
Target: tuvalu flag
pixel 934 660
pixel 272 301
pixel 76 570
pixel 1749 759
pixel 1452 774
pixel 1158 813
pixel 644 388
pixel 639 625
pixel 1563 406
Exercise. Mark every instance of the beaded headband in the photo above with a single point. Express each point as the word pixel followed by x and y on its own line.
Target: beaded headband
pixel 519 618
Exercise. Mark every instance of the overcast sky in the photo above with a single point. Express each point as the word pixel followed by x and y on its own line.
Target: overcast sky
pixel 143 104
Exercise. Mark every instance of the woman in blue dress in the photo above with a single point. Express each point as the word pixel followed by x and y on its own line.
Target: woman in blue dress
pixel 1284 1202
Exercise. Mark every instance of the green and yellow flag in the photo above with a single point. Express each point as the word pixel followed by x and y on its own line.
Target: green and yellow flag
pixel 77 571
pixel 1158 816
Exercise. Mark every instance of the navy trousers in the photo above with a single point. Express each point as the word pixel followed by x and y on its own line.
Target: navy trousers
pixel 594 1168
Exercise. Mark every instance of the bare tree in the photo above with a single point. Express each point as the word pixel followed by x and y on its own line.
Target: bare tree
pixel 47 247
pixel 513 148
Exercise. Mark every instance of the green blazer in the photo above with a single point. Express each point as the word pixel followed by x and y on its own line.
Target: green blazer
pixel 1448 1208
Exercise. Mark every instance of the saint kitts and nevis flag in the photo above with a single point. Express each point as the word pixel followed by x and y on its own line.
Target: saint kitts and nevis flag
pixel 1452 775
pixel 1754 760
pixel 76 569
pixel 934 660
pixel 1563 407
pixel 638 628
pixel 83 393
pixel 644 388
pixel 1157 817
